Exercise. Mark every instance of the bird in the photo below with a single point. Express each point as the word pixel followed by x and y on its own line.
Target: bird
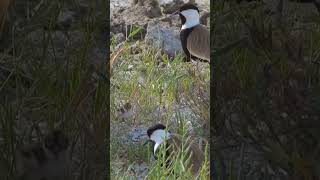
pixel 158 135
pixel 194 37
pixel 47 160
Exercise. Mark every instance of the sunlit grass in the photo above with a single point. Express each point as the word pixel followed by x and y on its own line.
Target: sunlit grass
pixel 151 81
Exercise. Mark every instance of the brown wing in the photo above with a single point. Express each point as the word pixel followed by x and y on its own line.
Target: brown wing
pixel 197 155
pixel 198 42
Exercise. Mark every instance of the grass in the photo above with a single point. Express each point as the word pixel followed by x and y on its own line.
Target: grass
pixel 178 162
pixel 157 88
pixel 269 80
pixel 47 84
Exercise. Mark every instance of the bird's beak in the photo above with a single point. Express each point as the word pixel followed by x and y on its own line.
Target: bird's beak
pixel 175 13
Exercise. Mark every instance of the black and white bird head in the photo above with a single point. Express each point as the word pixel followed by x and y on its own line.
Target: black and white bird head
pixel 158 134
pixel 189 15
pixel 195 37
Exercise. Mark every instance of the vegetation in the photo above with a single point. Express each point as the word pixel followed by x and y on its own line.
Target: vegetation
pixel 158 89
pixel 177 168
pixel 50 78
pixel 267 90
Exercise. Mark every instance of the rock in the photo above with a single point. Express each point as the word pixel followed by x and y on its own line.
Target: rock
pixel 128 3
pixel 170 6
pixel 152 12
pixel 143 11
pixel 140 169
pixel 138 135
pixel 165 38
pixel 117 25
pixel 202 3
pixel 119 37
pixel 124 20
pixel 145 2
pixel 151 8
pixel 119 3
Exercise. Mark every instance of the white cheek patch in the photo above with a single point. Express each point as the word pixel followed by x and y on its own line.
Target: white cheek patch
pixel 192 18
pixel 159 136
pixel 190 13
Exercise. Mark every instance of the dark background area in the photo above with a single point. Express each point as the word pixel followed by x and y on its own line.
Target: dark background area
pixel 53 77
pixel 266 80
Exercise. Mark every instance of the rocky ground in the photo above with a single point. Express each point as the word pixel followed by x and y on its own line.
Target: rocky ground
pixel 159 30
pixel 154 30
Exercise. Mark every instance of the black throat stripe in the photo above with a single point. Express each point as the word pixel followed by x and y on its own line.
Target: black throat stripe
pixel 184 33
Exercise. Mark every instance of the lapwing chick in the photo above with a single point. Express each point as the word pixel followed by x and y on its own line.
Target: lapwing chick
pixel 195 37
pixel 159 136
pixel 47 160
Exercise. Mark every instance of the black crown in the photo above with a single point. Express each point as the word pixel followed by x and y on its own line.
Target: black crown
pixel 188 6
pixel 155 127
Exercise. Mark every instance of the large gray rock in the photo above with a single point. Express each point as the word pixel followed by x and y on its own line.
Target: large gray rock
pixel 163 37
pixel 169 6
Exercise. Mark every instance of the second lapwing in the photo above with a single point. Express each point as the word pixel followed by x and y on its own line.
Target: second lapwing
pixel 160 136
pixel 195 37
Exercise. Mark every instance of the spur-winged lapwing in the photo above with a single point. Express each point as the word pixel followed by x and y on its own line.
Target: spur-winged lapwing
pixel 159 136
pixel 195 37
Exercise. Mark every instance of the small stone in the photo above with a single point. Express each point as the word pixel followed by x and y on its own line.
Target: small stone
pixel 138 135
pixel 119 38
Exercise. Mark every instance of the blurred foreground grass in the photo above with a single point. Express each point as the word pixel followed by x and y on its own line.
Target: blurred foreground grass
pixel 51 77
pixel 267 73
